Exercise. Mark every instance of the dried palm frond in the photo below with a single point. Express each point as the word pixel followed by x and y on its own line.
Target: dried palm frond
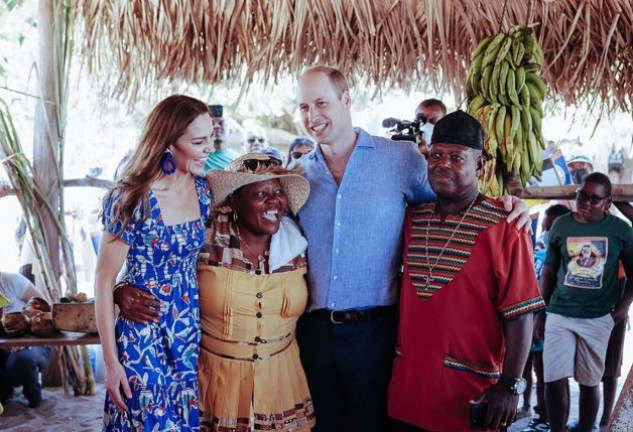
pixel 588 45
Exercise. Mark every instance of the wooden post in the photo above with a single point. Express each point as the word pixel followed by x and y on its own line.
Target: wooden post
pixel 46 133
pixel 45 148
pixel 621 419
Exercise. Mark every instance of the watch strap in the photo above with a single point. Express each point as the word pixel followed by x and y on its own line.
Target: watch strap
pixel 510 382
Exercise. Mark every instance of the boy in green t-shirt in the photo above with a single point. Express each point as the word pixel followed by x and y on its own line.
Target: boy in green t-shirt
pixel 579 283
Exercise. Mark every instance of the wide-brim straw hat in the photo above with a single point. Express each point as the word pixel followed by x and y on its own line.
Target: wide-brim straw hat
pixel 252 168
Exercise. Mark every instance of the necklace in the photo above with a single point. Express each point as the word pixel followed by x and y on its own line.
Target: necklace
pixel 261 259
pixel 430 277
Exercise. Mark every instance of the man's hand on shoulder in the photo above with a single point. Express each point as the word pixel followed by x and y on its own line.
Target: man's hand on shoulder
pixel 136 304
pixel 518 211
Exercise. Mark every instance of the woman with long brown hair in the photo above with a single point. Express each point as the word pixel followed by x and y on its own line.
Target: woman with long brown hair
pixel 154 223
pixel 251 272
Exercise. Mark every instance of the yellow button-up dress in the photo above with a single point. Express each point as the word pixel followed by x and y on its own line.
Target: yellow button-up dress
pixel 250 375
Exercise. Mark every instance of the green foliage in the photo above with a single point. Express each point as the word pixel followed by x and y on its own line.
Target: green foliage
pixel 7 6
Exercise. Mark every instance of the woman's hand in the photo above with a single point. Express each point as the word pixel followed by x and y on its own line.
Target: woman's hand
pixel 117 385
pixel 136 304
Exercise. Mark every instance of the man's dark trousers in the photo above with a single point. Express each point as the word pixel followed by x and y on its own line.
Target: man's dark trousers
pixel 348 367
pixel 22 368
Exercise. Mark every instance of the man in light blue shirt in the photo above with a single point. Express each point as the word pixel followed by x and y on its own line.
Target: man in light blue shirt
pixel 353 220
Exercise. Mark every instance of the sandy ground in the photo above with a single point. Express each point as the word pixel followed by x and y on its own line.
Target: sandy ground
pixel 66 413
pixel 57 413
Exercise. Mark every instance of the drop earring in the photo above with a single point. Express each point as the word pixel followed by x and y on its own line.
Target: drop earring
pixel 168 164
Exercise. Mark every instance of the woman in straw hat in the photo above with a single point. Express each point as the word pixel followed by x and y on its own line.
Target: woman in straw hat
pixel 154 222
pixel 252 291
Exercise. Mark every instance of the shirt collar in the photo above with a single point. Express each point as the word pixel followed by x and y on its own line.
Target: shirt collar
pixel 363 139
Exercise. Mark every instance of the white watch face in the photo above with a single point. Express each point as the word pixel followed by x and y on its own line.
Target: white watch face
pixel 521 385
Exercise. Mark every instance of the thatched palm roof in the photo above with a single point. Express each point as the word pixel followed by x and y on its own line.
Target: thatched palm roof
pixel 588 44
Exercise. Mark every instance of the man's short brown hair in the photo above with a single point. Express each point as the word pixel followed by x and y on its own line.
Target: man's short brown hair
pixel 426 103
pixel 336 77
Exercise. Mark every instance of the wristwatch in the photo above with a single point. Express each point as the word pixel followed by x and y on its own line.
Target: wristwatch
pixel 516 385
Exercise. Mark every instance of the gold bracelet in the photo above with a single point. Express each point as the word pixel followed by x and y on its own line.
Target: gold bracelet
pixel 119 285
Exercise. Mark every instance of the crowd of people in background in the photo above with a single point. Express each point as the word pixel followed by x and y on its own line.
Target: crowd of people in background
pixel 354 283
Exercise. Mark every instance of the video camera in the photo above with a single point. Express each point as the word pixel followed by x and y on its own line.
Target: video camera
pixel 404 130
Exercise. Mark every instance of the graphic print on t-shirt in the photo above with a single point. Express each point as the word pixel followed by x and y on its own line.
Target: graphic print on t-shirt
pixel 588 256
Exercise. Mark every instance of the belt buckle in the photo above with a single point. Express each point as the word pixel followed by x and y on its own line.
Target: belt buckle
pixel 333 320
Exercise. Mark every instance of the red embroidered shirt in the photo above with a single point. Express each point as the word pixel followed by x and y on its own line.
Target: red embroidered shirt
pixel 451 342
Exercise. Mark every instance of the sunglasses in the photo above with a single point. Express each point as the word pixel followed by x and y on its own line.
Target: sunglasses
pixel 252 140
pixel 254 165
pixel 297 155
pixel 581 195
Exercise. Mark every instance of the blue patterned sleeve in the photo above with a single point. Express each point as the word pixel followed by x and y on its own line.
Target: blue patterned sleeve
pixel 112 207
pixel 204 197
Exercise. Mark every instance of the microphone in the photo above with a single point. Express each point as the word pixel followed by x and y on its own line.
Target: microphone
pixel 389 122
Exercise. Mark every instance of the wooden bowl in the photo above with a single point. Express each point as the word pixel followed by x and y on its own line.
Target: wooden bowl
pixel 42 324
pixel 34 306
pixel 15 324
pixel 75 317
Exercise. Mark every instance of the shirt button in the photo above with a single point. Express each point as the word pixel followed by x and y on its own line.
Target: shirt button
pixel 338 224
pixel 258 314
pixel 339 196
pixel 259 295
pixel 255 356
pixel 336 250
pixel 335 277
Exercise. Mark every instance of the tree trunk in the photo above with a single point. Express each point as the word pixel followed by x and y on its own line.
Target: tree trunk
pixel 46 133
pixel 45 149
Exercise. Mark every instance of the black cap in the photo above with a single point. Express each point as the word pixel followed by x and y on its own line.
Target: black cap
pixel 458 128
pixel 216 110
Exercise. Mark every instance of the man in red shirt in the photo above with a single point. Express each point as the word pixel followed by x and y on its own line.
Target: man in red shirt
pixel 467 297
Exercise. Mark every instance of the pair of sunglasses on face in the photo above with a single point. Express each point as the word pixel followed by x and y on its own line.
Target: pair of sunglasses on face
pixel 252 140
pixel 297 154
pixel 254 165
pixel 583 196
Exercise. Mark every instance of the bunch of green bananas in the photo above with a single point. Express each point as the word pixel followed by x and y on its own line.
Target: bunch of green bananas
pixel 505 93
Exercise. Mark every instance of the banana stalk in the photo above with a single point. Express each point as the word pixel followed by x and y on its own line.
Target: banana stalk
pixel 506 92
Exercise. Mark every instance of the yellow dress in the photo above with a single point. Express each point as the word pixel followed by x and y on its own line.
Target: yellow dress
pixel 249 372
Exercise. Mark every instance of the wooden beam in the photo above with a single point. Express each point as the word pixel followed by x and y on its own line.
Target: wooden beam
pixel 90 182
pixel 619 192
pixel 6 190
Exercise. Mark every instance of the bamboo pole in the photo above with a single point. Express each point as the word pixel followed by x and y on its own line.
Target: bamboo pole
pixel 619 192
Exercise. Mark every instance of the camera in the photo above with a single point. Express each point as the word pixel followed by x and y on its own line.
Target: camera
pixel 405 130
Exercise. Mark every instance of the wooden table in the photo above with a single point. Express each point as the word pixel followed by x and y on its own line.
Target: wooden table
pixel 58 339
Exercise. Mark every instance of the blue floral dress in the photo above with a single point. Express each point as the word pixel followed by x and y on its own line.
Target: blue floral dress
pixel 160 359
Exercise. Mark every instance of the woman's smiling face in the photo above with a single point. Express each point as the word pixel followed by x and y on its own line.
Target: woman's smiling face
pixel 260 206
pixel 194 146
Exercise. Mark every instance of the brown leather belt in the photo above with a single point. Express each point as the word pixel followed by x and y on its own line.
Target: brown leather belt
pixel 352 316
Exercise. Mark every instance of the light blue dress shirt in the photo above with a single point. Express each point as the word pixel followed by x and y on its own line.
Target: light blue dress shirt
pixel 354 229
